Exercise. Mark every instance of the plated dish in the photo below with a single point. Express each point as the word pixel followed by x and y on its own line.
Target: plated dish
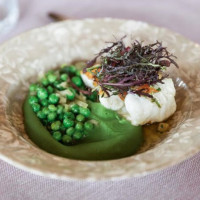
pixel 40 50
pixel 96 111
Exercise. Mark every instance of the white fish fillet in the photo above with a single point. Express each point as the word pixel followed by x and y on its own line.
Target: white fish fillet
pixel 113 102
pixel 141 110
pixel 88 82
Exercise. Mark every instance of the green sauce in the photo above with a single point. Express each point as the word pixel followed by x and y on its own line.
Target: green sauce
pixel 112 138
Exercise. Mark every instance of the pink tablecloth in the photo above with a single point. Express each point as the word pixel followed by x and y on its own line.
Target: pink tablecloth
pixel 181 182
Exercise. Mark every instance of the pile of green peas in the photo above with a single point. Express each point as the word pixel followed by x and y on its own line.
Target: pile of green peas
pixel 66 124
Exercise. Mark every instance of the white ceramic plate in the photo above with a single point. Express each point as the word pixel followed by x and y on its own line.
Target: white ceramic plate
pixel 24 57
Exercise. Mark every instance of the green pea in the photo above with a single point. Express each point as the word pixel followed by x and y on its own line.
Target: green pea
pixel 80 118
pixel 42 93
pixel 79 126
pixel 53 98
pixel 61 116
pixel 36 107
pixel 88 126
pixel 45 110
pixel 93 96
pixel 66 139
pixel 44 102
pixel 62 128
pixel 52 108
pixel 57 135
pixel 33 99
pixel 50 89
pixel 64 69
pixel 38 87
pixel 68 123
pixel 69 115
pixel 71 94
pixel 70 97
pixel 60 109
pixel 84 111
pixel 78 73
pixel 51 78
pixel 33 87
pixel 58 86
pixel 68 69
pixel 77 135
pixel 64 77
pixel 55 126
pixel 44 81
pixel 70 131
pixel 41 115
pixel 75 108
pixel 51 116
pixel 72 69
pixel 77 81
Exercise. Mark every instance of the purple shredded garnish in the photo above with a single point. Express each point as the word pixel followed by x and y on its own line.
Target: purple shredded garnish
pixel 125 69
